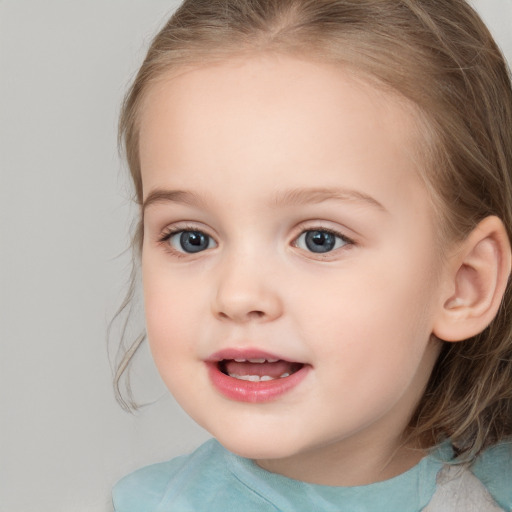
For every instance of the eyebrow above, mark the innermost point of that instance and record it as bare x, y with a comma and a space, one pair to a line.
174, 196
302, 196
298, 196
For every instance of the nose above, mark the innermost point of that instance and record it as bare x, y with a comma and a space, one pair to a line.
246, 292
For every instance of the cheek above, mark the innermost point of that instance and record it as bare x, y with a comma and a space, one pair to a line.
169, 338
170, 312
375, 342
375, 313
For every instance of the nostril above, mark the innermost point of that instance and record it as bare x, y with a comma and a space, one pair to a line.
250, 315
256, 314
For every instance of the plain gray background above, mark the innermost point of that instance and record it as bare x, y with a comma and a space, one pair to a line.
65, 218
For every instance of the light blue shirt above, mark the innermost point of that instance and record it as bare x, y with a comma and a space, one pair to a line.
212, 479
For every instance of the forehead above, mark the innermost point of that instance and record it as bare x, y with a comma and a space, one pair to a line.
240, 119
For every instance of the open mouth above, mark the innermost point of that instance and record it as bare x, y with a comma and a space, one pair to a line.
258, 370
254, 376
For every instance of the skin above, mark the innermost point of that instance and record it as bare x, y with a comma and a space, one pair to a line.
237, 137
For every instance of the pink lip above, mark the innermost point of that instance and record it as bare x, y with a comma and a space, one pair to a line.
247, 391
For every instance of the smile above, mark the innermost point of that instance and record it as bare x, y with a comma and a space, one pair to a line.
258, 370
255, 377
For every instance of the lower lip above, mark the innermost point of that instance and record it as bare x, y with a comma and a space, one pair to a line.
254, 392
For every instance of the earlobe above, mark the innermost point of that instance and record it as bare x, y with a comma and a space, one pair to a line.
478, 274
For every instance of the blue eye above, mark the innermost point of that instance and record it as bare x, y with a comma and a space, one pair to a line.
191, 241
320, 241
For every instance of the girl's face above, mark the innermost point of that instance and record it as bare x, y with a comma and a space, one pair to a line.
285, 222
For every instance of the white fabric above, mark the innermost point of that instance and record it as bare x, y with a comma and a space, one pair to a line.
460, 491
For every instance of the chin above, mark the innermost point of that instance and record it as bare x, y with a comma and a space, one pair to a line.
258, 446
249, 430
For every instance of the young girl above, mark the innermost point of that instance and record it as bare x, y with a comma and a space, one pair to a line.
325, 199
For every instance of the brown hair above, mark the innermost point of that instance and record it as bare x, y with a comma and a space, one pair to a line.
440, 56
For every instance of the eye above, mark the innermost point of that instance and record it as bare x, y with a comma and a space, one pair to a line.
190, 241
320, 241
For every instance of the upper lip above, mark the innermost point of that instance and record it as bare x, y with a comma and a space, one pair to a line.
245, 353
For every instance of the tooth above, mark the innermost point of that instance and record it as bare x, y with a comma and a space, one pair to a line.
284, 375
251, 378
265, 378
240, 360
256, 360
272, 360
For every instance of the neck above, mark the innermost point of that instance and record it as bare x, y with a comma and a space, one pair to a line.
339, 465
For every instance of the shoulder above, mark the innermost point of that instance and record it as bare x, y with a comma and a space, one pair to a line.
483, 486
144, 489
494, 469
206, 479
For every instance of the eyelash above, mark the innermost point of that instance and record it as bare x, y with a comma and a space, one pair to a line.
321, 229
171, 231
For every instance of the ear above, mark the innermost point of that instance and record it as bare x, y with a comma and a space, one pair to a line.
476, 278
